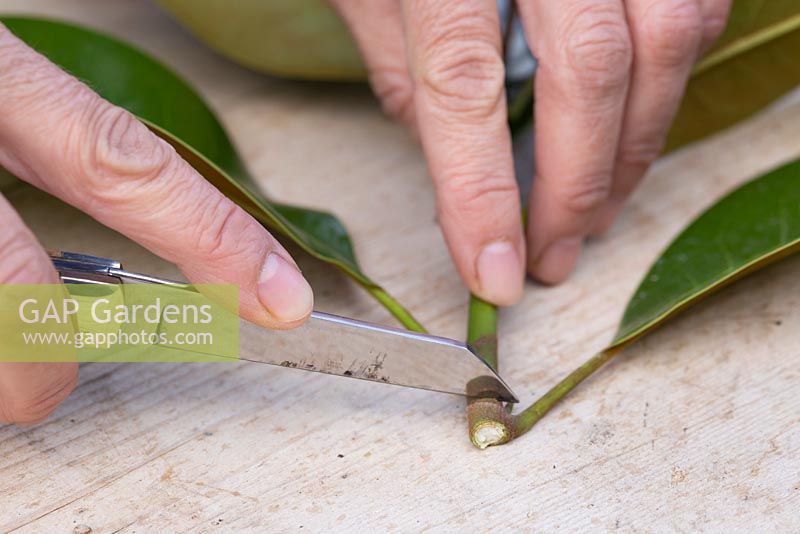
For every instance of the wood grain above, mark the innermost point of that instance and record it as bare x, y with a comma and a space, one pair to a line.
695, 428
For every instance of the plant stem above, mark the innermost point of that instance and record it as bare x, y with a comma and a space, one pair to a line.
490, 422
527, 418
487, 419
482, 330
747, 43
520, 109
396, 309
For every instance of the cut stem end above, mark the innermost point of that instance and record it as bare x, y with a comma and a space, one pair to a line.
489, 423
488, 433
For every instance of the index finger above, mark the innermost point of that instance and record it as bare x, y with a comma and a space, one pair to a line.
60, 136
454, 50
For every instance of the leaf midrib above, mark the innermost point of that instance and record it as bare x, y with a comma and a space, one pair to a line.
747, 43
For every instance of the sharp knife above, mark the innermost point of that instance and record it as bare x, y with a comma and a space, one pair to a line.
331, 344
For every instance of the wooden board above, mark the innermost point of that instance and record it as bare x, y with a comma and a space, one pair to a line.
695, 428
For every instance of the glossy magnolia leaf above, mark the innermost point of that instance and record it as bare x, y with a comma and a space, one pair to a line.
757, 224
753, 63
303, 39
173, 110
753, 226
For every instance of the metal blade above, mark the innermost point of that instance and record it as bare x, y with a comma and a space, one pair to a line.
331, 344
348, 347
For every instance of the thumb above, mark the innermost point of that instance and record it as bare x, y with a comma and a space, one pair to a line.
29, 392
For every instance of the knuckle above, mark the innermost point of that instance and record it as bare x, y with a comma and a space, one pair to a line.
222, 230
671, 32
118, 154
470, 85
585, 194
33, 84
463, 73
598, 52
639, 154
473, 195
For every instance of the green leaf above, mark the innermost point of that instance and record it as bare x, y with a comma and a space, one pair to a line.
753, 63
174, 111
301, 39
753, 226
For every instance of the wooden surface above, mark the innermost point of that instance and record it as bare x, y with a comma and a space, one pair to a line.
695, 428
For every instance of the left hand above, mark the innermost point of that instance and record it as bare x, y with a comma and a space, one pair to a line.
611, 76
60, 136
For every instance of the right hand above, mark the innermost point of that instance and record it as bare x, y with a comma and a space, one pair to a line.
58, 135
610, 77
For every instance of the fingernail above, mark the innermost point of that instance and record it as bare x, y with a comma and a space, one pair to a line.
283, 291
558, 260
499, 273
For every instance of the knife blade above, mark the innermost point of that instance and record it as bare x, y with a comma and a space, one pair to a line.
356, 349
332, 344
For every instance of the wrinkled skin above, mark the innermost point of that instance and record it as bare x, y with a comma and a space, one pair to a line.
58, 135
611, 75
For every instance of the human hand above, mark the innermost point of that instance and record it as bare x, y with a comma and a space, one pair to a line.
610, 78
58, 135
